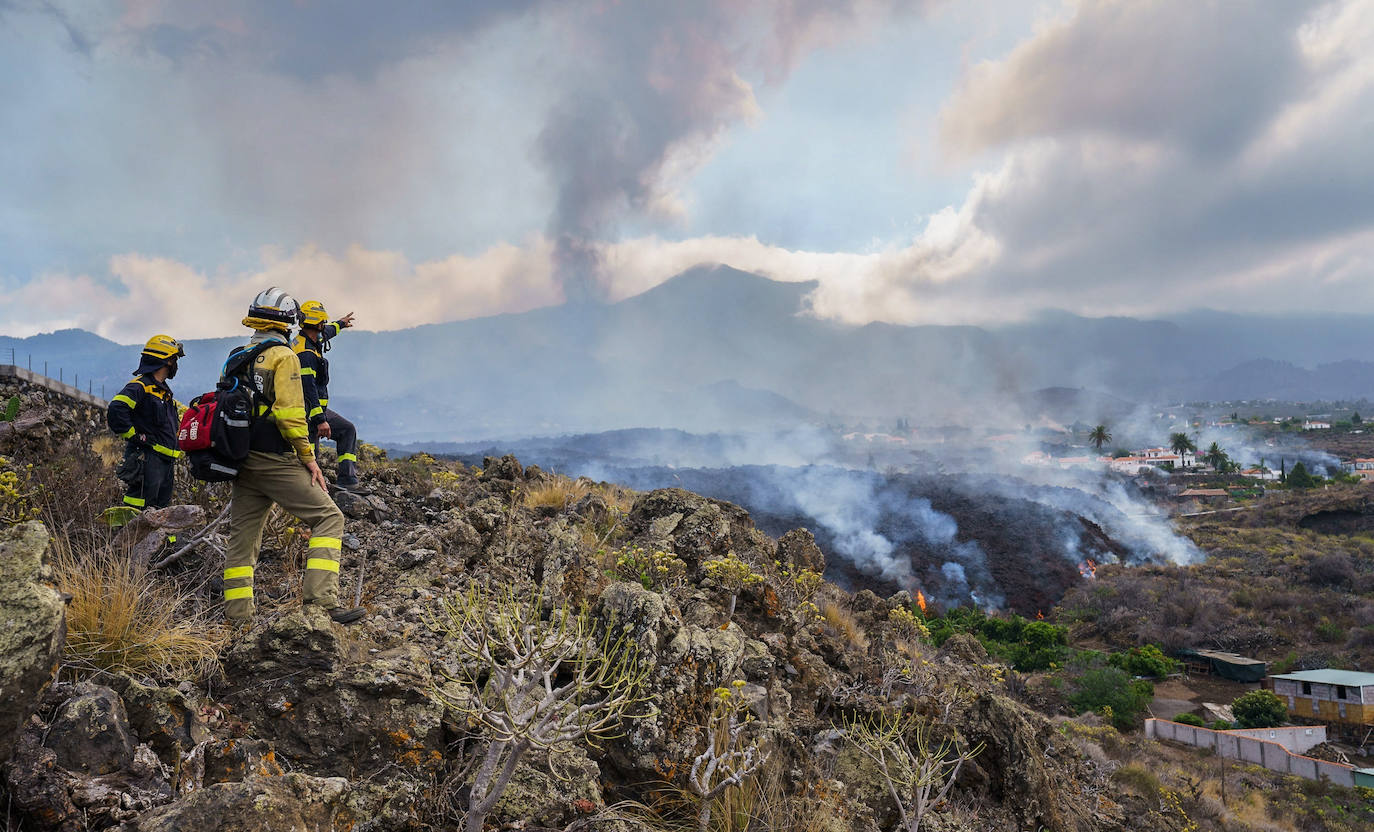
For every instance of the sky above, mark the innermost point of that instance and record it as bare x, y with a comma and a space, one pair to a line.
924, 161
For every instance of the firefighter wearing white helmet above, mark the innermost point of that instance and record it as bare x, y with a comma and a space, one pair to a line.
325, 423
144, 415
281, 469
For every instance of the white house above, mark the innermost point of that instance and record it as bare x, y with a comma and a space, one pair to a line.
1362, 468
1309, 424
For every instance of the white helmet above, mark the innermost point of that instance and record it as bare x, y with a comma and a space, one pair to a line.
273, 308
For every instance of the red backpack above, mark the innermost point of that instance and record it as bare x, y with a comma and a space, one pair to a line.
196, 423
216, 428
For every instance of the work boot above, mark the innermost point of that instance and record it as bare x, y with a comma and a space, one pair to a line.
347, 616
348, 474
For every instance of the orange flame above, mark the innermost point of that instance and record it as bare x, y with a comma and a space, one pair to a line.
921, 601
1040, 615
1088, 569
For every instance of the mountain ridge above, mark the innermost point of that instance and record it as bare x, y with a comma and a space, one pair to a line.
715, 348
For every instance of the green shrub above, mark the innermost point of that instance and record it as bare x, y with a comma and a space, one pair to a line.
1138, 779
1111, 691
1221, 725
1144, 661
1330, 631
1259, 709
11, 410
1024, 644
1189, 719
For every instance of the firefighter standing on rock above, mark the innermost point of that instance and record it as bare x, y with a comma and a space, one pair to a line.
310, 346
144, 415
281, 468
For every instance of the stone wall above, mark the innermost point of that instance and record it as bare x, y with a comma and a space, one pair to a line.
19, 380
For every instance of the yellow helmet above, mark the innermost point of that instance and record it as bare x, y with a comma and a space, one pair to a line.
271, 309
163, 347
312, 314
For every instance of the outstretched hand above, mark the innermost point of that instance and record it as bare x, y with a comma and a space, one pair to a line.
346, 321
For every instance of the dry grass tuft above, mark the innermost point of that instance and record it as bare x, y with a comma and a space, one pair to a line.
842, 620
618, 498
557, 492
109, 448
123, 619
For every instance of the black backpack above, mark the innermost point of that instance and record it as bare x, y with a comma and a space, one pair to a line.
216, 430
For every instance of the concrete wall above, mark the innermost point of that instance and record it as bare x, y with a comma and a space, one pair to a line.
1245, 746
1296, 738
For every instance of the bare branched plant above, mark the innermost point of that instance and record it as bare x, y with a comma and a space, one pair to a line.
918, 770
538, 682
732, 754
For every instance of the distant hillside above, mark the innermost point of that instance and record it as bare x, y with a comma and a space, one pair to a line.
1285, 381
716, 349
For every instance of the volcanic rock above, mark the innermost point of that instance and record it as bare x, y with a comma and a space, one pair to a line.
798, 548
32, 626
328, 704
90, 733
291, 803
161, 717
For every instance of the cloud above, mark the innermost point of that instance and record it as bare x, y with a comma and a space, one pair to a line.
1138, 158
1148, 158
1200, 74
145, 294
310, 40
204, 130
659, 86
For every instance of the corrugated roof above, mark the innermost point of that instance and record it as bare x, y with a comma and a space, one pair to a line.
1328, 676
1217, 654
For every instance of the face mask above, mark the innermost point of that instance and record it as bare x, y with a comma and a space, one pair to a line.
172, 370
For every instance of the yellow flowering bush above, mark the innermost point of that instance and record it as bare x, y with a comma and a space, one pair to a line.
795, 588
14, 493
907, 625
653, 569
732, 574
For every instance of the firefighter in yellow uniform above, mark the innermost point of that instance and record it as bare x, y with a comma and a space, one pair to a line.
281, 469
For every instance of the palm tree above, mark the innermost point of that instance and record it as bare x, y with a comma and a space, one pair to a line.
1215, 457
1181, 443
1099, 437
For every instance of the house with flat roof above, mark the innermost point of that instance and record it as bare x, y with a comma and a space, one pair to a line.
1341, 696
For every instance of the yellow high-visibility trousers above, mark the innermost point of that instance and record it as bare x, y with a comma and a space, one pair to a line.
265, 479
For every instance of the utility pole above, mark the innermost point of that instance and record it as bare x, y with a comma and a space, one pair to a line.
1221, 766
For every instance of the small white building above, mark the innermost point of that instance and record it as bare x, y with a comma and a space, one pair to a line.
1311, 424
1362, 468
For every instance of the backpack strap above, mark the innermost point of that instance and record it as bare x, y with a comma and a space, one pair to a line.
240, 360
238, 368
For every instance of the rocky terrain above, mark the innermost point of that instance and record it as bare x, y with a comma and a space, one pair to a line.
300, 724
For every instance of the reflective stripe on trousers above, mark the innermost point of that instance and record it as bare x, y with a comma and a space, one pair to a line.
265, 479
